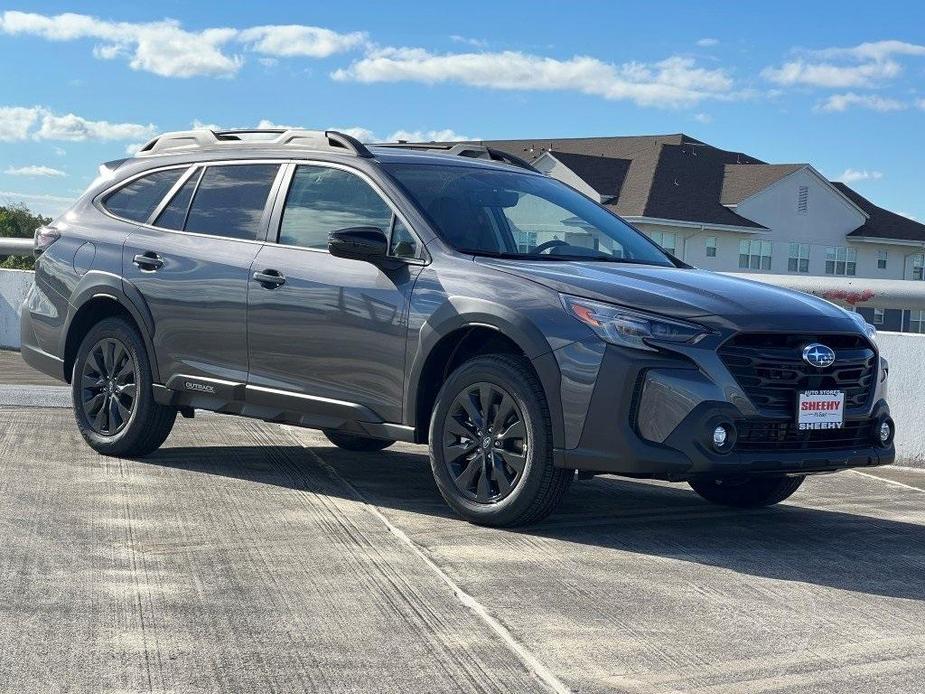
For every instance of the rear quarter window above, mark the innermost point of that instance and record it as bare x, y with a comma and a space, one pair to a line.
138, 199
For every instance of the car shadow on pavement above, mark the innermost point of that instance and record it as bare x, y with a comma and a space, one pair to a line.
834, 548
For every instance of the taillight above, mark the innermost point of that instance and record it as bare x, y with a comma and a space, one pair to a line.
44, 237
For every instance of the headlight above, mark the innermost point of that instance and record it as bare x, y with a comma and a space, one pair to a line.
865, 327
627, 328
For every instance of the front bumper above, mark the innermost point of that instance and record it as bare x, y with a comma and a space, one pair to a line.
665, 433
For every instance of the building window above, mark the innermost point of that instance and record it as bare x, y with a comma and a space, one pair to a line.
755, 255
711, 246
666, 239
803, 200
881, 260
526, 240
841, 261
878, 316
918, 262
799, 258
917, 321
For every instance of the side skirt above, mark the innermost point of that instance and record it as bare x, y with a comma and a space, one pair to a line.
278, 406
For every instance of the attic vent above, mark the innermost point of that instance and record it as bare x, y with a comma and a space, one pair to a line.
802, 199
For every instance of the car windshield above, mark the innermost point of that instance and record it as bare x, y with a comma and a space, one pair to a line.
519, 215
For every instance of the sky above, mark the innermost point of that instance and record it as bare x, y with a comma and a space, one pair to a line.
839, 85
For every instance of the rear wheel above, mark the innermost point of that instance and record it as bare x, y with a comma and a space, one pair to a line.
747, 492
354, 442
111, 388
491, 444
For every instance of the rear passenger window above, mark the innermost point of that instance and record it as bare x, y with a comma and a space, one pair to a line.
137, 200
322, 200
230, 200
174, 215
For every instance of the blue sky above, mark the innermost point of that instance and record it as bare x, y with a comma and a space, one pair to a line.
838, 85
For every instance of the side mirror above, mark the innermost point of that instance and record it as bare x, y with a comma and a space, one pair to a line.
359, 243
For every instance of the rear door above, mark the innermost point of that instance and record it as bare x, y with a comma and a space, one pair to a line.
330, 329
191, 263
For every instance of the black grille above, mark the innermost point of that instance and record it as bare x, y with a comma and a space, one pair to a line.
786, 436
771, 371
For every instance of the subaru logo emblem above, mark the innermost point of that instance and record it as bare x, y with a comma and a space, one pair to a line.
818, 355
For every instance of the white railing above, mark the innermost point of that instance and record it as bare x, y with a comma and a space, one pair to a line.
21, 247
850, 291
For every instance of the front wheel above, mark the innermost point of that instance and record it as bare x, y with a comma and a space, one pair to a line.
491, 444
111, 387
747, 492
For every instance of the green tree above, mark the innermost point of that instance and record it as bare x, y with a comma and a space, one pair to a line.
17, 221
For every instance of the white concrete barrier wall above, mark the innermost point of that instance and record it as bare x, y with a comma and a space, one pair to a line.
13, 287
905, 352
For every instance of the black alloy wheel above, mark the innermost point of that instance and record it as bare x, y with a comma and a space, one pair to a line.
485, 443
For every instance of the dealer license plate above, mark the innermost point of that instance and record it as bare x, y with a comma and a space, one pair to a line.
821, 409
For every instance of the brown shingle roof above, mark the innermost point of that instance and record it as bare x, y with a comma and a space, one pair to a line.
668, 176
741, 181
882, 223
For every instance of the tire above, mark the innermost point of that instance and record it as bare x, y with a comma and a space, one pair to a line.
750, 492
354, 442
495, 470
128, 423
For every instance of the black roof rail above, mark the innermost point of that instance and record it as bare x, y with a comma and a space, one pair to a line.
473, 151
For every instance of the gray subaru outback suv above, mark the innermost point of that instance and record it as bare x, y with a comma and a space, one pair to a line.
442, 295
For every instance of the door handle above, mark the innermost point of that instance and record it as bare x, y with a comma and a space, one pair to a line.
149, 260
270, 279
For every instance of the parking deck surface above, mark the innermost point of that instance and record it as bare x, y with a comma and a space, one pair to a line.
246, 556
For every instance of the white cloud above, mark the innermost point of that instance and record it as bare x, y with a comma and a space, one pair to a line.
874, 50
165, 48
865, 65
920, 103
132, 149
34, 170
872, 102
19, 123
296, 39
446, 135
477, 43
704, 118
51, 205
75, 128
672, 82
16, 121
270, 125
708, 42
907, 216
361, 134
855, 175
800, 72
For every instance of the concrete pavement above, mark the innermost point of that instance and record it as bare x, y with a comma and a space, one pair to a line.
245, 556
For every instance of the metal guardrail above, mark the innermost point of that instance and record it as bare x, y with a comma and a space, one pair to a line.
850, 291
16, 247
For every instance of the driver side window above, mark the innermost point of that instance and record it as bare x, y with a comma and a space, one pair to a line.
322, 200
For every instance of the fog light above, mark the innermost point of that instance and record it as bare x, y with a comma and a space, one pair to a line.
719, 436
885, 432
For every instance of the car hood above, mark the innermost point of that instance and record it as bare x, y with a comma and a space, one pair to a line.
685, 293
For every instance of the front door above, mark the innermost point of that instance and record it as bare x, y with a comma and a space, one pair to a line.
325, 327
191, 265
